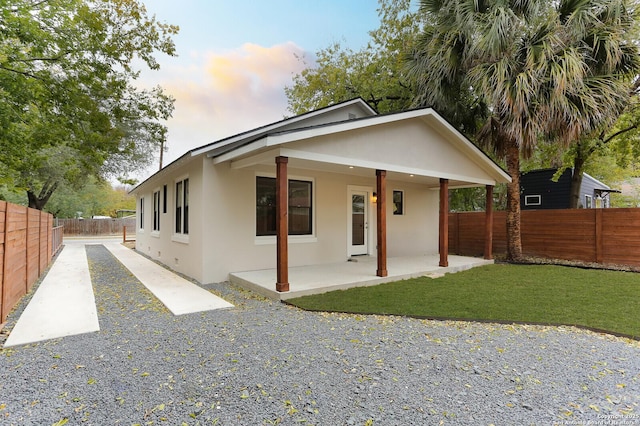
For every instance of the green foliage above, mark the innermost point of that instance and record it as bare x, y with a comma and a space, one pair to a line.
375, 73
93, 198
606, 300
561, 69
474, 199
69, 104
531, 71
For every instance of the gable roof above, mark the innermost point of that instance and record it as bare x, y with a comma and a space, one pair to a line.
229, 143
276, 139
315, 123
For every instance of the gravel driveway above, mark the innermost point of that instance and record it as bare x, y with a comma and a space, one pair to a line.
263, 362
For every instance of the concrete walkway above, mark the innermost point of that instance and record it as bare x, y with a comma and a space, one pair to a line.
64, 304
178, 295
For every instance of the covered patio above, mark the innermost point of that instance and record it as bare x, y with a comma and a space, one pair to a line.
358, 272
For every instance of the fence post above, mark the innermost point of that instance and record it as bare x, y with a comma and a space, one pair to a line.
598, 240
3, 308
488, 223
454, 226
26, 252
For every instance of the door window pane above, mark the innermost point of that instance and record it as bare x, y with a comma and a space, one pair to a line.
357, 219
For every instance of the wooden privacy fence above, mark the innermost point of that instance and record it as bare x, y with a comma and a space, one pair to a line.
28, 241
607, 236
95, 226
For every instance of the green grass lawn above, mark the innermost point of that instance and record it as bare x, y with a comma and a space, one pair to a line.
604, 300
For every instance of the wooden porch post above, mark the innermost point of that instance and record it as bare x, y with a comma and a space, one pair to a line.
381, 221
443, 245
488, 224
282, 224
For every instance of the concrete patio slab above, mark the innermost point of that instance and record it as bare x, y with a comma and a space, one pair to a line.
178, 295
63, 304
361, 271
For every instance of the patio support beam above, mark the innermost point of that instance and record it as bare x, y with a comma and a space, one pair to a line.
282, 224
443, 244
381, 221
488, 224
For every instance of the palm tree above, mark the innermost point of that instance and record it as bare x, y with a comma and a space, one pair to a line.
530, 69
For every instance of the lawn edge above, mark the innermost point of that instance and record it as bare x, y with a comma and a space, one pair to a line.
482, 321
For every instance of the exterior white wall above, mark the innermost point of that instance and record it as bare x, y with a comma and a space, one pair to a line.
415, 232
230, 243
181, 253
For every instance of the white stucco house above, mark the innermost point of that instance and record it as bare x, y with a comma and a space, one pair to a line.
340, 181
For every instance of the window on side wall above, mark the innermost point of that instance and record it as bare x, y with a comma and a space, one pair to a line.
533, 200
588, 202
300, 207
164, 198
141, 213
156, 211
398, 202
182, 207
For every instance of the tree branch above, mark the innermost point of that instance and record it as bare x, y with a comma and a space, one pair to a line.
27, 74
619, 132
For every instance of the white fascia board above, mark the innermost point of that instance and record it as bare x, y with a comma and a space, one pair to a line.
346, 161
169, 167
484, 159
243, 150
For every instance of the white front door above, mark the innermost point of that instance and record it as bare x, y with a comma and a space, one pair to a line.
358, 222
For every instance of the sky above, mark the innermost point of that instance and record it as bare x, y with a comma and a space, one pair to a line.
236, 57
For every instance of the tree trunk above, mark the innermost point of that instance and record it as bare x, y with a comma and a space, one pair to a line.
576, 182
514, 240
39, 201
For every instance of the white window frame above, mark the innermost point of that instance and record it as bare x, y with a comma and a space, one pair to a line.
528, 200
588, 201
180, 237
157, 203
293, 239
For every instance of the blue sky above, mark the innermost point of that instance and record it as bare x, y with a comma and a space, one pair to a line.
236, 57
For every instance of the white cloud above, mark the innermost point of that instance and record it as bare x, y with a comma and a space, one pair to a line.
219, 94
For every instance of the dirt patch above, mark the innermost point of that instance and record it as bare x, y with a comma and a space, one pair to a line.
532, 260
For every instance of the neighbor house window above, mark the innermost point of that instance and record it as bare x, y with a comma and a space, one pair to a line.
398, 202
300, 207
588, 202
156, 211
182, 206
141, 212
532, 200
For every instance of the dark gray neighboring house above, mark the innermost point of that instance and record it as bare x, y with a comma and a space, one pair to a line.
539, 191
